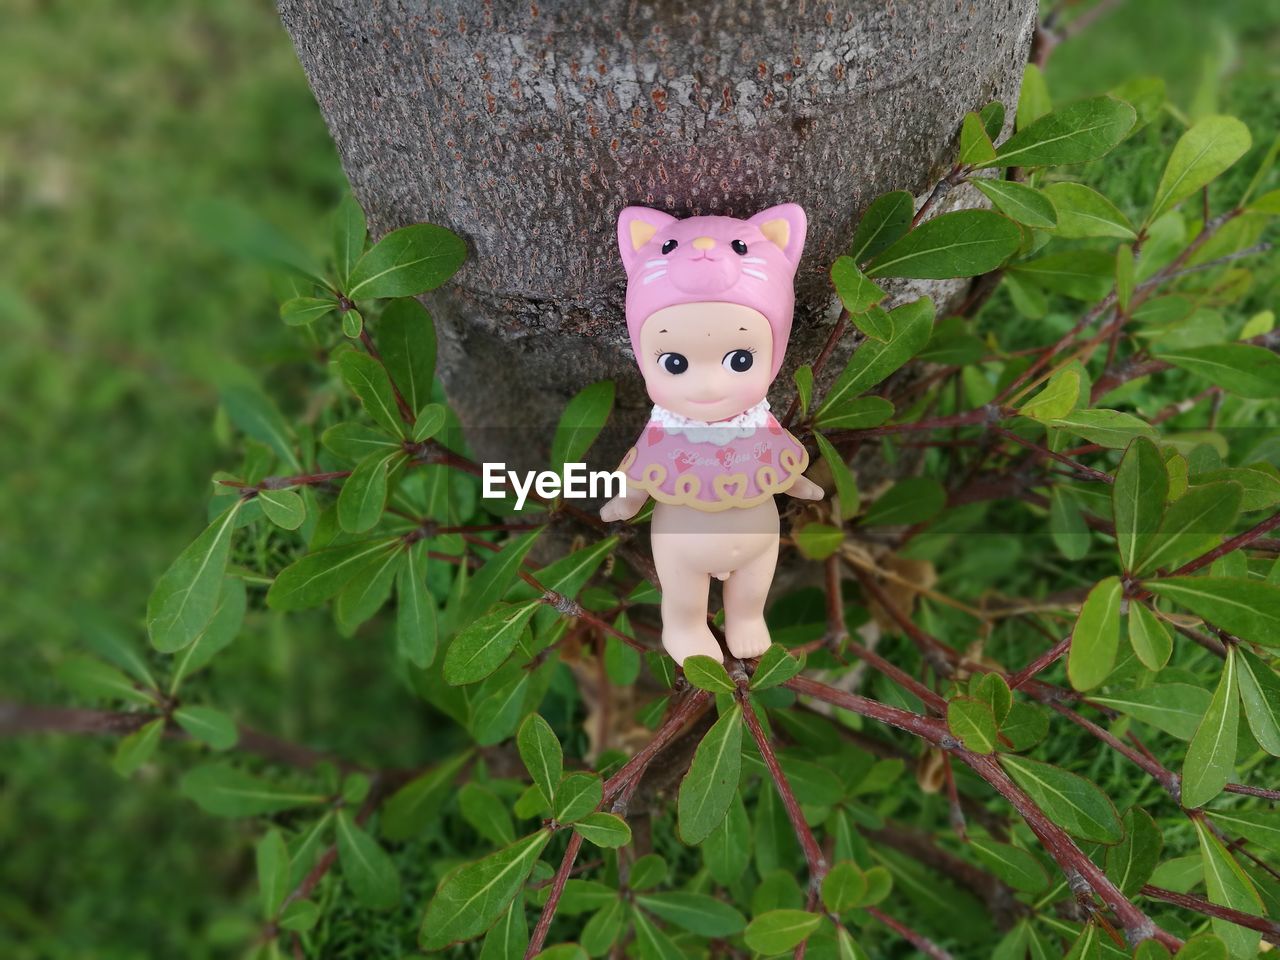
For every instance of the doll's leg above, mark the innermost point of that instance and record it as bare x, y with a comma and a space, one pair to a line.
684, 604
745, 594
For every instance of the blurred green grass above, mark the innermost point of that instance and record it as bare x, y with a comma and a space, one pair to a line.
115, 121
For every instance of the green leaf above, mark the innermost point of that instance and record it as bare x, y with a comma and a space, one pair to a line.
415, 612
1014, 866
1033, 98
965, 243
1240, 368
430, 420
509, 937
858, 413
653, 943
487, 812
817, 541
1080, 131
349, 235
1087, 946
493, 580
186, 596
1137, 500
1212, 145
1058, 398
1203, 946
973, 723
649, 871
776, 666
352, 323
415, 805
727, 851
910, 500
1107, 428
299, 311
407, 262
1260, 695
225, 791
780, 930
583, 419
1019, 202
471, 898
975, 143
364, 493
712, 780
578, 795
1084, 212
368, 590
236, 230
208, 725
299, 916
220, 631
253, 412
1211, 756
1151, 641
886, 220
992, 117
873, 360
1067, 527
1248, 608
483, 645
856, 292
1131, 862
284, 508
605, 926
314, 578
542, 754
407, 345
138, 747
1081, 273
1228, 886
992, 690
368, 381
604, 829
803, 378
707, 673
1260, 483
272, 859
844, 887
1194, 523
695, 912
92, 679
1096, 636
1257, 826
1074, 803
1175, 708
355, 441
842, 476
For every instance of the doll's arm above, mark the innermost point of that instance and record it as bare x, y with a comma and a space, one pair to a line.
624, 507
805, 489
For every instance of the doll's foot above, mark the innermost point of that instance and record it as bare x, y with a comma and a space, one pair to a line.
689, 642
747, 638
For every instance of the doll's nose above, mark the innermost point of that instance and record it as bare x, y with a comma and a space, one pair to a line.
703, 243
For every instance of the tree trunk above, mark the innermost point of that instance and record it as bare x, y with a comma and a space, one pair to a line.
526, 125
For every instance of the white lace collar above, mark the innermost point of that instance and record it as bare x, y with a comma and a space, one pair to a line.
716, 431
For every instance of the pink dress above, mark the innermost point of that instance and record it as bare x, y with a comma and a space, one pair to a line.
713, 468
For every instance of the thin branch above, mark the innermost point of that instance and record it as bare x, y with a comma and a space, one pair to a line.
1269, 928
913, 937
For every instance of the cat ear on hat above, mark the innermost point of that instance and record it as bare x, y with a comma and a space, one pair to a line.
785, 226
636, 227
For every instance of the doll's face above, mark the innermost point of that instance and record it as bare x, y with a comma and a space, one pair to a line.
706, 361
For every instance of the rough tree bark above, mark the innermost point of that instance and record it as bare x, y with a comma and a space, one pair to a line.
525, 125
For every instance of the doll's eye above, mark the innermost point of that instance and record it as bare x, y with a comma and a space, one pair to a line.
673, 362
669, 246
739, 248
739, 361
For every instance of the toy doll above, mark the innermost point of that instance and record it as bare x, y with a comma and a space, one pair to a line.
709, 304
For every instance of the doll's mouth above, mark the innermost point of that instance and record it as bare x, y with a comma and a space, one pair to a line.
704, 257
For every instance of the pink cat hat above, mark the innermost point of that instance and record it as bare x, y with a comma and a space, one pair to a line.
752, 263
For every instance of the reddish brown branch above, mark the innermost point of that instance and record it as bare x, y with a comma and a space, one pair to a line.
913, 937
1268, 928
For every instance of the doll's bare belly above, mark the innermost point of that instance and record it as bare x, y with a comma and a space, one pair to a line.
714, 543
